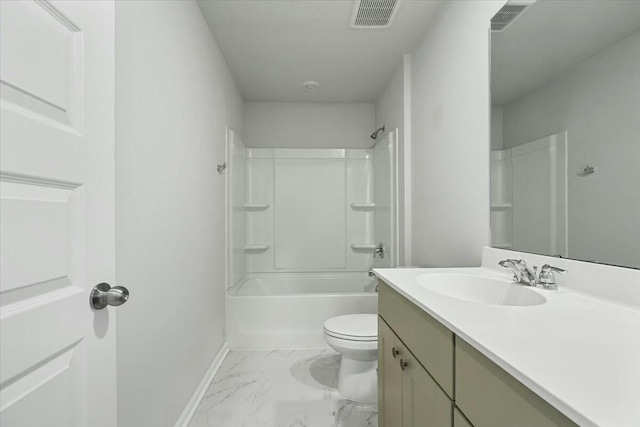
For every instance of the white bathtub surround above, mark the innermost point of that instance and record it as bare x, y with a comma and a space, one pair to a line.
288, 310
235, 204
280, 388
529, 194
578, 351
298, 210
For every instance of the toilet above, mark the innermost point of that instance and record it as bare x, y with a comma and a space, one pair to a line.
355, 337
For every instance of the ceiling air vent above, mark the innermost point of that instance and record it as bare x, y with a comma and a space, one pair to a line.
373, 14
509, 13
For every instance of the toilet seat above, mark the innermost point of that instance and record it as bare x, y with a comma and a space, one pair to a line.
353, 327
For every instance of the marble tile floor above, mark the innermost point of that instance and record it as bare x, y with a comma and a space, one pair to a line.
280, 388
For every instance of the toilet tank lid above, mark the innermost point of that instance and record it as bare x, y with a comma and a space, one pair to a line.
355, 325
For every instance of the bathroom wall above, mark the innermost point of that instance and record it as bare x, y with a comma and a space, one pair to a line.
308, 125
392, 111
174, 97
450, 137
594, 104
300, 215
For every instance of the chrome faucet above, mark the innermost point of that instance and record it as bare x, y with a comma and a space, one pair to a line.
372, 274
379, 250
523, 274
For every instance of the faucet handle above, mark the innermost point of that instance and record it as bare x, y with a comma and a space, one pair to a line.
379, 250
552, 268
547, 277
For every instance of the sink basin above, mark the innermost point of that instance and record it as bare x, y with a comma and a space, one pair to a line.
480, 289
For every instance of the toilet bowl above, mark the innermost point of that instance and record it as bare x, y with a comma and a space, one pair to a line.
355, 337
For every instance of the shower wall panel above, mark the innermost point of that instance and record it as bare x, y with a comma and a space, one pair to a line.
310, 214
299, 214
359, 221
236, 216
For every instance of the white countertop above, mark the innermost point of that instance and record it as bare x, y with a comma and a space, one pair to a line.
580, 354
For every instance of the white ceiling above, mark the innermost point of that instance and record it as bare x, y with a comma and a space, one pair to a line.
553, 35
273, 46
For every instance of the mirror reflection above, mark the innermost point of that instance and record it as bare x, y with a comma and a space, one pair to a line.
565, 143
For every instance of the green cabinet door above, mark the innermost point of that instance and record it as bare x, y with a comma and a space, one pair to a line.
389, 377
424, 403
460, 420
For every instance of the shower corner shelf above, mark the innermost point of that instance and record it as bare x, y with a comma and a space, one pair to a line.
256, 206
500, 206
254, 248
363, 246
363, 206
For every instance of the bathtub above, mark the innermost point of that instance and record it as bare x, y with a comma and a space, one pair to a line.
278, 311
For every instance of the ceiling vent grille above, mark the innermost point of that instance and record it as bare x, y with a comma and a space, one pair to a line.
508, 14
373, 14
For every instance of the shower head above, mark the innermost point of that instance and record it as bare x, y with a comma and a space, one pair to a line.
374, 135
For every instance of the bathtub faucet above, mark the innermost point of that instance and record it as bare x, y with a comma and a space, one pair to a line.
379, 250
372, 274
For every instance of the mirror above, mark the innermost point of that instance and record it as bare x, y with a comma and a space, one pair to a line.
565, 129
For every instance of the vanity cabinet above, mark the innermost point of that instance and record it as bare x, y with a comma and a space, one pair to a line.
410, 396
488, 396
417, 359
430, 341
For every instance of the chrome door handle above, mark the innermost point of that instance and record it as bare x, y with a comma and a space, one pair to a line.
103, 295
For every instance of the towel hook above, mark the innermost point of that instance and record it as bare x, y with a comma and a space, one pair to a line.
221, 168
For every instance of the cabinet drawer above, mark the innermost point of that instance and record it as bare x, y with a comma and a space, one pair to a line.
429, 341
490, 397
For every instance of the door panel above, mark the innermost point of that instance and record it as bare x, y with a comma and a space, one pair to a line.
42, 56
56, 212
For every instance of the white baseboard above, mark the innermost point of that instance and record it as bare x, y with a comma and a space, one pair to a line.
198, 395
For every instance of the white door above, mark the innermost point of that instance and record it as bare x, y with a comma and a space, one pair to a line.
57, 213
